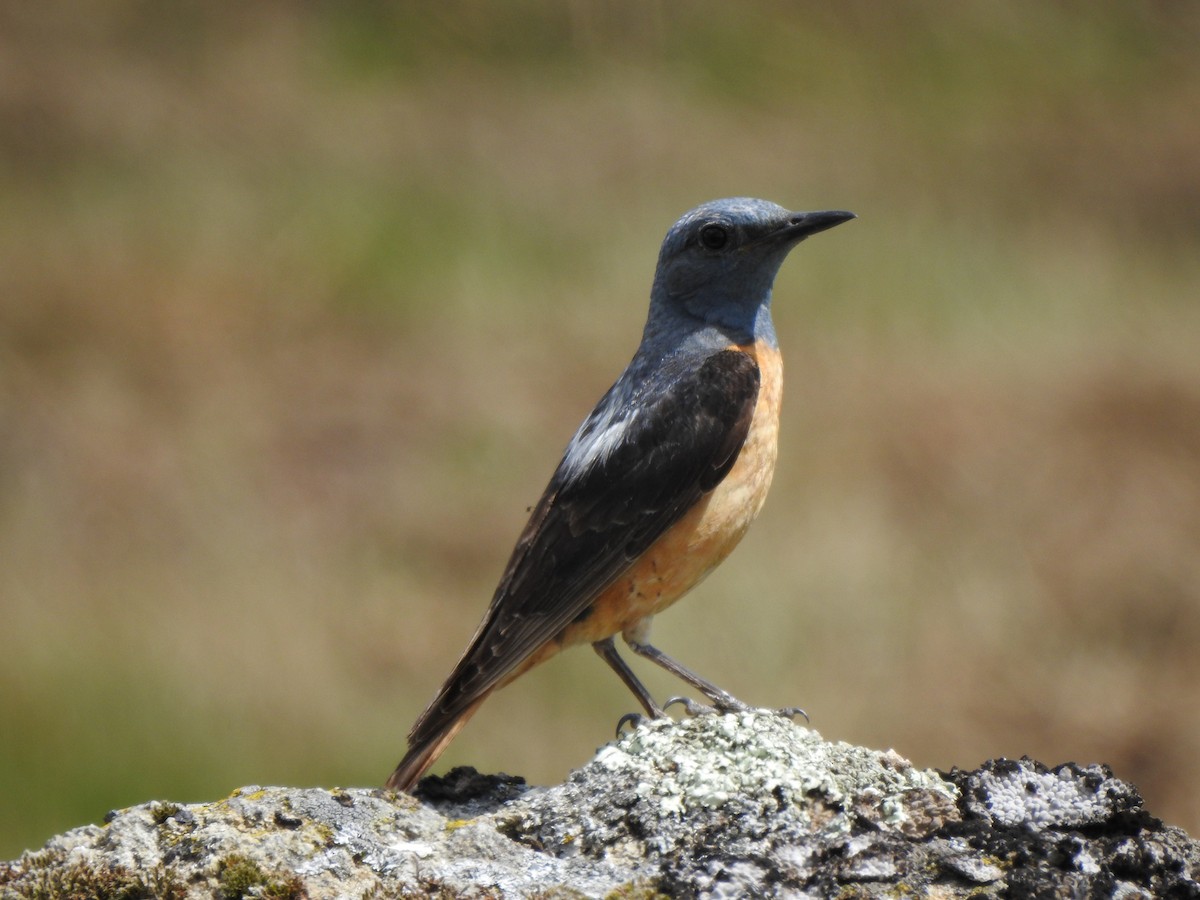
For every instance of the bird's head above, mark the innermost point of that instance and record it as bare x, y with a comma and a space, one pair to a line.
719, 261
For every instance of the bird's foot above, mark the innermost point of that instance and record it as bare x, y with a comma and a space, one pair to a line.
637, 720
691, 707
633, 720
721, 703
728, 703
790, 712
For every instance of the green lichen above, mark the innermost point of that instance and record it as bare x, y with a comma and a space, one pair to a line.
287, 888
160, 812
248, 793
241, 877
182, 844
637, 890
237, 875
325, 833
44, 876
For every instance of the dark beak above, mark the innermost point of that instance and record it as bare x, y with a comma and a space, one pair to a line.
802, 224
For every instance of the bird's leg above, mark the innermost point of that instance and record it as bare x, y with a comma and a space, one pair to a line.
723, 701
608, 652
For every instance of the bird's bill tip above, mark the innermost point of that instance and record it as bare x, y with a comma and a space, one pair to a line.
803, 224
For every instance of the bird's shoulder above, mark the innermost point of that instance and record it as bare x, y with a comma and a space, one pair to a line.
684, 405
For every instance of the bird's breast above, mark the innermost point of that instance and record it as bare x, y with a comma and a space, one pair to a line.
707, 533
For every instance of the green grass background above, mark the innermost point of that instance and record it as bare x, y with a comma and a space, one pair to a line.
300, 302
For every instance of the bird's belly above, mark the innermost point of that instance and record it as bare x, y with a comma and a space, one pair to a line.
706, 534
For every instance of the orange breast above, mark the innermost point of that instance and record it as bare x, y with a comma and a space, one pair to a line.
696, 544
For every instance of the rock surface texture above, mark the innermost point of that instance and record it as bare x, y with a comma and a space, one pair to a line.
735, 805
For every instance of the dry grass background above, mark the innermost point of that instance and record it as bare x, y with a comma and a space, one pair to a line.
299, 303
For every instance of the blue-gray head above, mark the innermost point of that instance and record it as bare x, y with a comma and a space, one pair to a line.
719, 261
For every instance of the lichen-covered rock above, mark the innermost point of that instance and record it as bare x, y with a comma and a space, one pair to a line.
1027, 794
737, 805
733, 802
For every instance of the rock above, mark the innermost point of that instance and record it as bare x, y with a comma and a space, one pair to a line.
735, 805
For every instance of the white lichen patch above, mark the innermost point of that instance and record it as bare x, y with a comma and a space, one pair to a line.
707, 761
1068, 796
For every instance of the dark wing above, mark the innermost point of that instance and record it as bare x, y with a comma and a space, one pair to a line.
600, 512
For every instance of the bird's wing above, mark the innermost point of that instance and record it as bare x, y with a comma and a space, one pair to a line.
624, 480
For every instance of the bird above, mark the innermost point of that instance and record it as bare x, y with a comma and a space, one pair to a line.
658, 484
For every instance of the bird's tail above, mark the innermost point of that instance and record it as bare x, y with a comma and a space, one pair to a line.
424, 750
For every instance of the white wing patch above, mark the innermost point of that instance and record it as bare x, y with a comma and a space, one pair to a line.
596, 439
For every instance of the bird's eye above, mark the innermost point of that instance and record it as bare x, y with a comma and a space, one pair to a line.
714, 237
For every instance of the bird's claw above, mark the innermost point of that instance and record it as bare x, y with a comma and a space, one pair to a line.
731, 704
633, 720
690, 706
790, 712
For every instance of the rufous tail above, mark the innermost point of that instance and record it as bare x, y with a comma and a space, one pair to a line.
423, 753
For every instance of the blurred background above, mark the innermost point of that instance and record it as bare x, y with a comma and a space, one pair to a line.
299, 304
